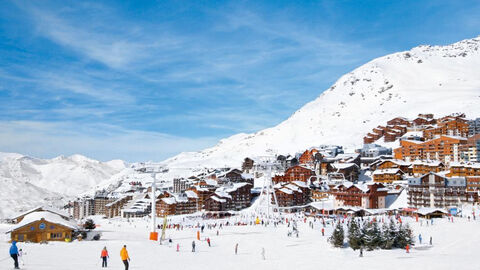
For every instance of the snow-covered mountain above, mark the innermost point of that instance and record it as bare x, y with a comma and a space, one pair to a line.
26, 181
426, 79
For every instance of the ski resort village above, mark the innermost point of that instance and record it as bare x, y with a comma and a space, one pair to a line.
411, 190
213, 135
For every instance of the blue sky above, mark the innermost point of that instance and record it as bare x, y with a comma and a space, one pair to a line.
144, 80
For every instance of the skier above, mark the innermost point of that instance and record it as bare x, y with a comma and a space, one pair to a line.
124, 256
263, 253
361, 252
236, 248
407, 248
431, 241
323, 231
178, 247
14, 254
170, 242
193, 246
104, 256
208, 241
420, 238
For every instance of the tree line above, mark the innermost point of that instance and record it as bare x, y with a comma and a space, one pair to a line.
369, 235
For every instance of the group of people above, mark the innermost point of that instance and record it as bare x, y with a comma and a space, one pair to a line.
123, 255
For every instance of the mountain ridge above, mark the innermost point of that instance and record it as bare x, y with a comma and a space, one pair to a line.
420, 78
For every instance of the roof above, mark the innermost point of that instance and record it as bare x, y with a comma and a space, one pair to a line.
428, 210
47, 216
286, 190
169, 200
300, 184
434, 163
387, 171
340, 166
396, 161
215, 198
466, 165
43, 208
191, 194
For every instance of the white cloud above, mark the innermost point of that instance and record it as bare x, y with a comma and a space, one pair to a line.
103, 142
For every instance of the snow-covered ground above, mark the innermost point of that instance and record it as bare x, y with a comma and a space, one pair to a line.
455, 245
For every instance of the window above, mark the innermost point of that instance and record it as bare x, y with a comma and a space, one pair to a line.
55, 235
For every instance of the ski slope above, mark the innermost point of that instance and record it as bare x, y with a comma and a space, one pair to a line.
454, 247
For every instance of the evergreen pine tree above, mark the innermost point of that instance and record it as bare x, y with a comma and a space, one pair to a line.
89, 224
408, 234
354, 235
387, 237
337, 237
401, 240
371, 236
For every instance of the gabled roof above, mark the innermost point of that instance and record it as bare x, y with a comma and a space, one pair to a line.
340, 166
388, 171
191, 194
286, 190
44, 208
215, 198
429, 210
47, 216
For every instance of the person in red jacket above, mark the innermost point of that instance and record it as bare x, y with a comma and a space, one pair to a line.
104, 256
408, 248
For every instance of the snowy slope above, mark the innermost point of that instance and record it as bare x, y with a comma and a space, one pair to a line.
426, 79
28, 182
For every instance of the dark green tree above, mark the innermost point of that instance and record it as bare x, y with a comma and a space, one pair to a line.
89, 224
337, 237
371, 236
354, 235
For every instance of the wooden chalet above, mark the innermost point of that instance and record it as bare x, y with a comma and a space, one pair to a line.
371, 195
387, 176
42, 226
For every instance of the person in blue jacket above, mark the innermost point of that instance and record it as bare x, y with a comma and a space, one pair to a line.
14, 253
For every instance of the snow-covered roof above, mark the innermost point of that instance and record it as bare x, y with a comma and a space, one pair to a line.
286, 190
340, 166
429, 210
293, 187
191, 194
211, 182
215, 198
300, 184
43, 208
474, 165
387, 171
222, 194
47, 216
169, 200
400, 202
433, 163
324, 205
